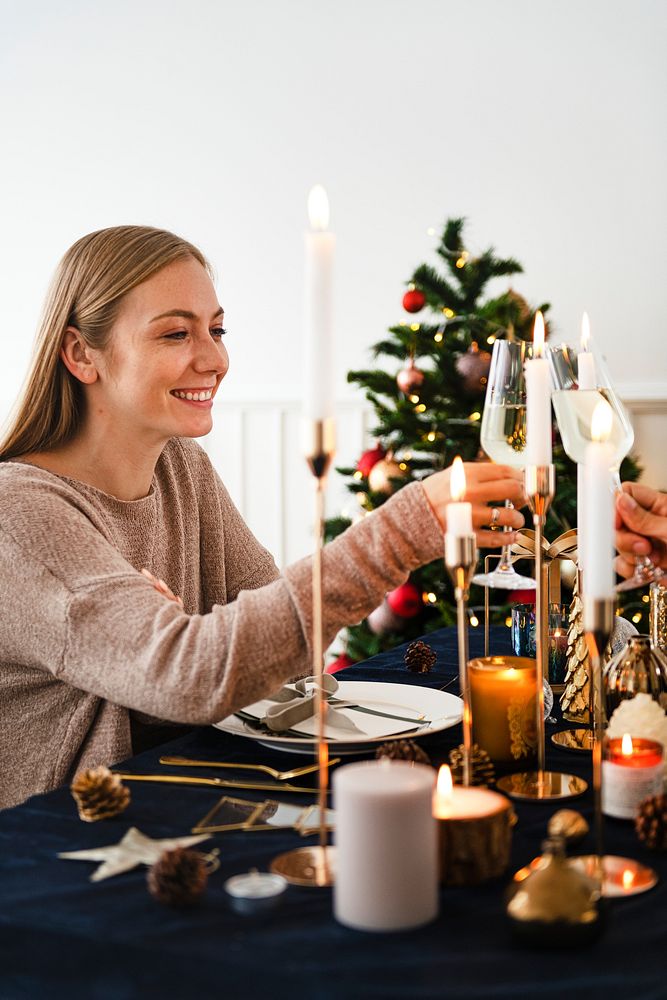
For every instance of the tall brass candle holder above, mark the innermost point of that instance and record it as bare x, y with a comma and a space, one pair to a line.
313, 866
461, 560
540, 483
617, 876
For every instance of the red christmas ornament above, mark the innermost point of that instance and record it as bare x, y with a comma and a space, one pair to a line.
414, 300
409, 379
405, 601
370, 458
339, 664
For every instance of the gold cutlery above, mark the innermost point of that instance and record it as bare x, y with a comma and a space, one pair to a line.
295, 772
177, 779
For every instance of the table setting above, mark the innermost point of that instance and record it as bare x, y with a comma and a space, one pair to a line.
409, 827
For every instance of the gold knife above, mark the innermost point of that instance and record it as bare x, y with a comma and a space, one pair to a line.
177, 779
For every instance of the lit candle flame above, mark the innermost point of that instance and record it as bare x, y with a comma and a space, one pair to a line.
318, 208
585, 331
626, 745
628, 878
457, 483
538, 335
601, 421
445, 785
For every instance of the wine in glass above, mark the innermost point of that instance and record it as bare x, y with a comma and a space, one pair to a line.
503, 438
574, 408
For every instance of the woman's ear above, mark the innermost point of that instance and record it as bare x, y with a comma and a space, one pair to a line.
76, 356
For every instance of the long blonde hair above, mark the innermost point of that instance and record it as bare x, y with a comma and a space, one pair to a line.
86, 292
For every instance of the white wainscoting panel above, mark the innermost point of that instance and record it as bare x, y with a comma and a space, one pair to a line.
256, 448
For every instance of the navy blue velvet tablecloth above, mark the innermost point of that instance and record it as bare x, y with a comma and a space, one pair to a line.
64, 936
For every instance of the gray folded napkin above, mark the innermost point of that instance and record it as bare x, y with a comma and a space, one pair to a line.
296, 702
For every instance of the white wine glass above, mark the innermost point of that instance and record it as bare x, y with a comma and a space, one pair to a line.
574, 398
503, 438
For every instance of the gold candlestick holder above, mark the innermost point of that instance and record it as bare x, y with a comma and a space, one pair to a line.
461, 560
313, 866
540, 785
617, 876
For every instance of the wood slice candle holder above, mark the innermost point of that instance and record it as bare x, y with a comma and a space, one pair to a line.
474, 848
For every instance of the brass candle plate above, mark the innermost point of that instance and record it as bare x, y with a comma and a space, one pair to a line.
622, 877
309, 866
578, 740
554, 785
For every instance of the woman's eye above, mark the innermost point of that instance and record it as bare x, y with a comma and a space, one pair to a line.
176, 335
218, 331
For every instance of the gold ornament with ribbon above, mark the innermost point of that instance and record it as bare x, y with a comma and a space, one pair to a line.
563, 548
575, 699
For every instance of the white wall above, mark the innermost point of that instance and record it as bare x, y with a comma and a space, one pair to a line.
543, 122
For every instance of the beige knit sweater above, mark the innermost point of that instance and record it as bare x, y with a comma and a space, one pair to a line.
84, 638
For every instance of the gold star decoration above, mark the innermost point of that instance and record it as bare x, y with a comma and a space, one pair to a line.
134, 849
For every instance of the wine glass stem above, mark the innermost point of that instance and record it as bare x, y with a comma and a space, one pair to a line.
505, 563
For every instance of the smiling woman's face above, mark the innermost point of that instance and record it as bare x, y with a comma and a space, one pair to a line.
165, 357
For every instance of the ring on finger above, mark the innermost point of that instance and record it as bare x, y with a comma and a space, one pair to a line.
495, 517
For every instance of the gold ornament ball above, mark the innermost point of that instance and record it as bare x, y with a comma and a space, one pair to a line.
381, 475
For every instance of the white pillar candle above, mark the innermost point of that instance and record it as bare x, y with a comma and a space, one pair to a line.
386, 846
318, 328
458, 513
586, 378
599, 508
538, 400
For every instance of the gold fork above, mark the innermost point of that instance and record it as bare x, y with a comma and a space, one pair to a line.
294, 772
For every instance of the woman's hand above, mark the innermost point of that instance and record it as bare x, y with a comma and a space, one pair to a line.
487, 488
161, 587
641, 527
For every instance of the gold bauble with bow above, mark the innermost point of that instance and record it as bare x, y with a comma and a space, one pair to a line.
576, 694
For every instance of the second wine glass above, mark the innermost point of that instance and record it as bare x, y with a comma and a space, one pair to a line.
503, 438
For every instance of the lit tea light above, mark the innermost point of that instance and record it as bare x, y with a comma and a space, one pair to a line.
628, 879
631, 772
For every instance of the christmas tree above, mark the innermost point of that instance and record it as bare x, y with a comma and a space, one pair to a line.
430, 411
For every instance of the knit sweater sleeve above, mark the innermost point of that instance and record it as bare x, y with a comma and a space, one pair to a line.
86, 615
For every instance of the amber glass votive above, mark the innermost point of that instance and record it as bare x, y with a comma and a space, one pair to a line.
503, 690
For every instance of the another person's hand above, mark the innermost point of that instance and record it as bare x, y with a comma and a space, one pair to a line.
641, 527
161, 587
486, 484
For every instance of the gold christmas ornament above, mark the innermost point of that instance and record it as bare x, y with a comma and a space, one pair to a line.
381, 475
552, 903
99, 794
568, 824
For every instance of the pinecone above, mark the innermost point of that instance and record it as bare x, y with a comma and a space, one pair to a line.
651, 822
99, 794
178, 877
403, 750
483, 771
419, 657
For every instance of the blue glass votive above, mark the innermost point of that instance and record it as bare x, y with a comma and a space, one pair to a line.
523, 637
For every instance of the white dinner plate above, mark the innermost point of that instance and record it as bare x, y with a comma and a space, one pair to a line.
432, 711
